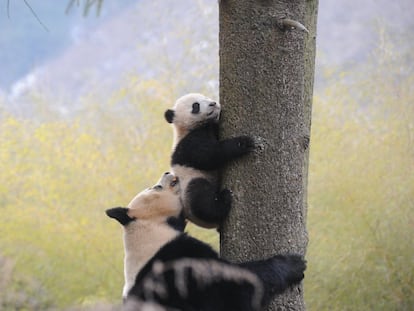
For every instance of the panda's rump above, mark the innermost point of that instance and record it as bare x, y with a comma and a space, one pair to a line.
198, 191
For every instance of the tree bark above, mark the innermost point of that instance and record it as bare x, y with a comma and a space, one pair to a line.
266, 85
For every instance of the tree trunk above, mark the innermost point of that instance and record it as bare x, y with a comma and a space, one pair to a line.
266, 84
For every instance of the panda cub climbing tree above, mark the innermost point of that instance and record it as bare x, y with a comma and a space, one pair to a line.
165, 269
197, 156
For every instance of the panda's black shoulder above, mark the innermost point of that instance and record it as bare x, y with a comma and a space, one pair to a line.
196, 148
183, 246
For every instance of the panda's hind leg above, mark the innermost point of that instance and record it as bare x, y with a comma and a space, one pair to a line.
206, 203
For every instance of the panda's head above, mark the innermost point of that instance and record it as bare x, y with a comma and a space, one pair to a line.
192, 110
159, 204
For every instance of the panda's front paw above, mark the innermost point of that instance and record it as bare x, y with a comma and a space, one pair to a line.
245, 144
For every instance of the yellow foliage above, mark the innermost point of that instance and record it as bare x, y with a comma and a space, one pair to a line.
361, 189
57, 180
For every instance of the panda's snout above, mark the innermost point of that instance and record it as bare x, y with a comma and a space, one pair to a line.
212, 104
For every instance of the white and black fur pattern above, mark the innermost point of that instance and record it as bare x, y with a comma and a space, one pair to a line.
165, 269
151, 219
189, 277
197, 156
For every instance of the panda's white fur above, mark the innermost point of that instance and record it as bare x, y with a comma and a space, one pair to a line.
197, 156
148, 230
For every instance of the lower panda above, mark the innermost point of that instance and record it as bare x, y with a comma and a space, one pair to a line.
197, 156
166, 269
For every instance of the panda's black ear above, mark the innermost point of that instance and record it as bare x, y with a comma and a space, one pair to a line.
120, 214
169, 115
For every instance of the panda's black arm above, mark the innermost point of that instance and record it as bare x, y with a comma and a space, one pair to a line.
233, 148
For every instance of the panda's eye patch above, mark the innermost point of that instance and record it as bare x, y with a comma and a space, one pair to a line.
158, 187
196, 108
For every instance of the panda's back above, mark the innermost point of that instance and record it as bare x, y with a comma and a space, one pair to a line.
186, 173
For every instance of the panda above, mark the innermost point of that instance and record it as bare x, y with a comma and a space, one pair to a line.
197, 156
166, 269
